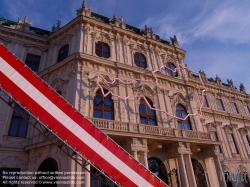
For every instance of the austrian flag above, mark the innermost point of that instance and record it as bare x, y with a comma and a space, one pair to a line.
51, 109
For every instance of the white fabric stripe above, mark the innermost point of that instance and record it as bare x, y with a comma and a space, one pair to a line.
64, 119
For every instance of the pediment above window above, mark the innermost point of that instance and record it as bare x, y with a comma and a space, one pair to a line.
34, 49
103, 37
141, 49
219, 95
145, 90
102, 83
178, 98
58, 84
4, 40
243, 130
64, 40
229, 128
171, 59
212, 126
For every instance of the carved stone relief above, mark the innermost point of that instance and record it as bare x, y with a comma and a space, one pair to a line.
103, 37
4, 40
64, 40
58, 84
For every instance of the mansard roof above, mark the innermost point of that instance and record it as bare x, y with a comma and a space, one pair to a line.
98, 17
33, 30
129, 27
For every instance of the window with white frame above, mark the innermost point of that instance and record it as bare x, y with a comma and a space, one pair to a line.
234, 108
215, 137
219, 104
231, 142
246, 142
203, 99
247, 110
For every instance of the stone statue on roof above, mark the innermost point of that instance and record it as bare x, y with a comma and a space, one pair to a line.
218, 80
121, 20
174, 41
58, 24
26, 20
230, 83
19, 20
203, 76
23, 25
84, 5
83, 11
57, 27
115, 18
242, 88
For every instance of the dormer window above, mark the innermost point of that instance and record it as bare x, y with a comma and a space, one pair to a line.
171, 70
63, 53
102, 50
140, 60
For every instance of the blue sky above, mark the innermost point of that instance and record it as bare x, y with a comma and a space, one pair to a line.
214, 33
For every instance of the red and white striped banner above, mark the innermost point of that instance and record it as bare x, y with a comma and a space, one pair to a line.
44, 103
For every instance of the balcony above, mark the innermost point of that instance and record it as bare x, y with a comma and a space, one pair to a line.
157, 132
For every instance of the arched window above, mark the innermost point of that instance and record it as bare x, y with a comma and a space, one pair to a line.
172, 67
182, 113
102, 50
199, 173
147, 115
140, 60
63, 53
103, 106
48, 169
157, 167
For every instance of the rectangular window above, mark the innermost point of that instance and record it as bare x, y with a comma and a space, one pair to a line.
9, 176
219, 104
247, 110
215, 137
247, 144
19, 122
234, 108
204, 99
231, 141
33, 61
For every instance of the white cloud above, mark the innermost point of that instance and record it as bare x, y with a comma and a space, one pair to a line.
223, 22
226, 22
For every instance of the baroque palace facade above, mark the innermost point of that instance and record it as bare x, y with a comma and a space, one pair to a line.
197, 152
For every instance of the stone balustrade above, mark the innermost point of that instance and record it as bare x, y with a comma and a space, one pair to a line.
112, 125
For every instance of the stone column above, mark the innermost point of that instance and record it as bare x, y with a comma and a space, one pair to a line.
87, 176
144, 157
219, 171
134, 154
93, 42
131, 46
182, 169
190, 171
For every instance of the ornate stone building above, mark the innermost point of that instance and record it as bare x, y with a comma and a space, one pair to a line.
195, 152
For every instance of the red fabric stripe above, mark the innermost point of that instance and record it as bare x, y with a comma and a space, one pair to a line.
77, 117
